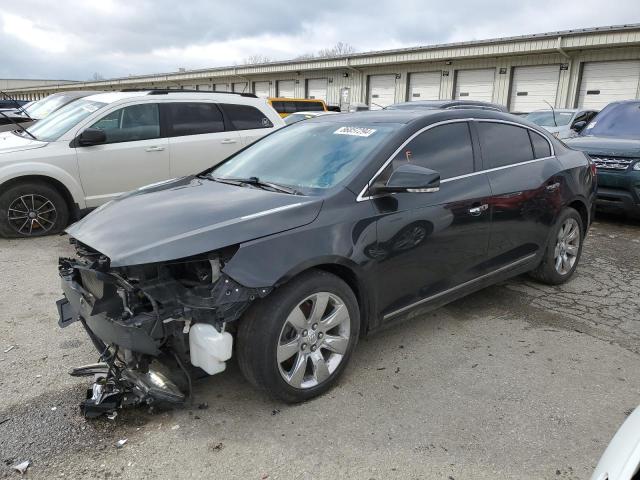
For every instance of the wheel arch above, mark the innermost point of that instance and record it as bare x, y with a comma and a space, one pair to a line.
350, 273
580, 205
61, 188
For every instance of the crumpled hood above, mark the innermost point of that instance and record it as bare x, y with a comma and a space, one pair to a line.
14, 143
618, 147
188, 216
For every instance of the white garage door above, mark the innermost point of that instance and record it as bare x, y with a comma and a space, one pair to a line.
382, 91
475, 84
317, 88
221, 87
286, 88
531, 87
204, 87
240, 87
605, 82
261, 89
424, 86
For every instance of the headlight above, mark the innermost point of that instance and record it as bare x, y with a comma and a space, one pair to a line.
636, 166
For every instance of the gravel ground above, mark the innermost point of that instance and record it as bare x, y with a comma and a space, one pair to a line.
519, 380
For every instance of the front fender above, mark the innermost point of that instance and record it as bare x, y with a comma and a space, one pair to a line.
24, 169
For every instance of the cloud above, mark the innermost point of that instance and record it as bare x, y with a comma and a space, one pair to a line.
74, 38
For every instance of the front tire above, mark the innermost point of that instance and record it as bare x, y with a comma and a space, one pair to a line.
32, 209
563, 250
295, 343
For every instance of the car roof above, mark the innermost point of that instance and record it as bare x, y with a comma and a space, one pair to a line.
111, 97
562, 110
434, 104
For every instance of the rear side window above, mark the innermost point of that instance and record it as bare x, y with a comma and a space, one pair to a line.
541, 148
128, 124
309, 106
245, 117
503, 144
193, 119
446, 149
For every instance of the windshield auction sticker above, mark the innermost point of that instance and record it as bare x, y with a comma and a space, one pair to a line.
355, 131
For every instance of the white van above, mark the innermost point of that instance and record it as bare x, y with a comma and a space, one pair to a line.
103, 145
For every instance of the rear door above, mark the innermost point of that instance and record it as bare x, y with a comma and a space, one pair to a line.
249, 122
135, 154
525, 188
197, 136
430, 242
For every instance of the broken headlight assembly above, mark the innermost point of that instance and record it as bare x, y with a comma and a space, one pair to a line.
151, 324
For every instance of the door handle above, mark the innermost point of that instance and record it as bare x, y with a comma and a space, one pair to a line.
154, 149
475, 211
552, 187
228, 141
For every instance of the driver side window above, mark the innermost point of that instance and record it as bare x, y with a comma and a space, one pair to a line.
128, 124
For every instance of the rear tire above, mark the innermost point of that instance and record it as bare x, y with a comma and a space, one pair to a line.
32, 209
563, 251
295, 343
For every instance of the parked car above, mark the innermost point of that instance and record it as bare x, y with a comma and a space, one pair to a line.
563, 123
325, 230
621, 459
100, 146
299, 116
39, 109
446, 105
287, 106
11, 104
612, 140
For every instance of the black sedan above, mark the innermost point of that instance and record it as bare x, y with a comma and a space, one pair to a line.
313, 236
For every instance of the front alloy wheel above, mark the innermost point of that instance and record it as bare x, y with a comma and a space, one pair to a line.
567, 246
32, 214
313, 340
297, 341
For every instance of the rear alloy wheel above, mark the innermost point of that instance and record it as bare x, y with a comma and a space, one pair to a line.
563, 251
31, 210
296, 342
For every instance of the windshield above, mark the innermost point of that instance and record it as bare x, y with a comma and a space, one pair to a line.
44, 107
312, 155
619, 120
545, 119
51, 128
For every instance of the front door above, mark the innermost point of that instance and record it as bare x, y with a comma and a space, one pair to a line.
133, 155
428, 243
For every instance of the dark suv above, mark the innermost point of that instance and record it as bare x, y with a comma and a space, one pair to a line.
314, 235
612, 139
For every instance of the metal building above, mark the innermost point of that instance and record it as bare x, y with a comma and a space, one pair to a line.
585, 67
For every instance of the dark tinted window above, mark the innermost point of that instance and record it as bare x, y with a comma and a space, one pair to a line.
193, 119
540, 144
244, 117
619, 120
310, 107
128, 124
503, 144
446, 149
278, 106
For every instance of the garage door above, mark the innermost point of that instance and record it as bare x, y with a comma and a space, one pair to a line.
475, 84
261, 89
317, 88
221, 87
382, 91
240, 87
286, 88
532, 87
204, 87
605, 82
424, 86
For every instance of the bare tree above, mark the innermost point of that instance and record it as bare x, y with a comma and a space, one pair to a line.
96, 77
252, 59
338, 50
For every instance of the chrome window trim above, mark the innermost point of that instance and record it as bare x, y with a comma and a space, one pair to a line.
459, 286
361, 196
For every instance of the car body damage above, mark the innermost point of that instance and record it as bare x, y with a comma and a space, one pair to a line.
137, 292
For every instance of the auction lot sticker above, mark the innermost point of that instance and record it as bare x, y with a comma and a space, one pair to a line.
355, 131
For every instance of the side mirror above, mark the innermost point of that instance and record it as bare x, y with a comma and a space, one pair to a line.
578, 126
91, 136
410, 178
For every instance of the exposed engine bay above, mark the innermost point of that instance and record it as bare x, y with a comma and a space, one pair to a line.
147, 320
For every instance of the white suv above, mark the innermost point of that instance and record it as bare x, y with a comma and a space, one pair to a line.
100, 146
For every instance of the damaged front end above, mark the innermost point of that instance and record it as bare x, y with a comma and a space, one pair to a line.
151, 323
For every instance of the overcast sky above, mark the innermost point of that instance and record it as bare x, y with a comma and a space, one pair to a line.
72, 39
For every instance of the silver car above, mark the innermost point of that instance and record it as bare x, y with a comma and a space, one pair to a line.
562, 123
